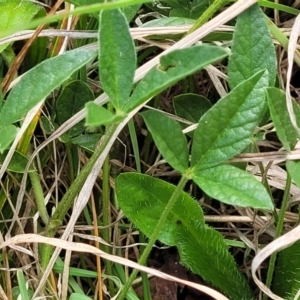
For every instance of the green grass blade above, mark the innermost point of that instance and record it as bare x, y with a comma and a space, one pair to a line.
22, 285
284, 128
278, 6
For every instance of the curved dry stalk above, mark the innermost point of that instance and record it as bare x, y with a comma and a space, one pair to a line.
281, 243
136, 33
83, 197
291, 52
85, 248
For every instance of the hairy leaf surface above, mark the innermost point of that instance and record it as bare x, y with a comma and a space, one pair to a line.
143, 198
233, 186
206, 254
173, 66
117, 57
287, 272
227, 128
40, 81
8, 133
252, 48
202, 249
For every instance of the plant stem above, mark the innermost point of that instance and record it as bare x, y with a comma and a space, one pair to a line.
135, 145
278, 231
39, 196
209, 12
155, 234
68, 199
70, 161
107, 220
145, 279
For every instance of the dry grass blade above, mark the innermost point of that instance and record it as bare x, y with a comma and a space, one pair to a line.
279, 244
84, 248
210, 26
84, 195
291, 52
136, 33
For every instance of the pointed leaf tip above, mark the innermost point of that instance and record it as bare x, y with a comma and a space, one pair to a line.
169, 139
233, 186
227, 128
252, 48
117, 57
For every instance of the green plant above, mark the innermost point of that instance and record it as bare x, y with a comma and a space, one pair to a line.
203, 157
172, 67
222, 132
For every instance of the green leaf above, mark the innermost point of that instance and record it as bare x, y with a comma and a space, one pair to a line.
168, 138
18, 162
233, 186
281, 118
226, 129
205, 253
293, 168
117, 57
143, 198
139, 194
40, 81
87, 141
24, 292
252, 48
171, 21
190, 107
15, 13
130, 11
174, 66
8, 133
71, 100
187, 9
1, 99
84, 2
77, 296
287, 272
97, 115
